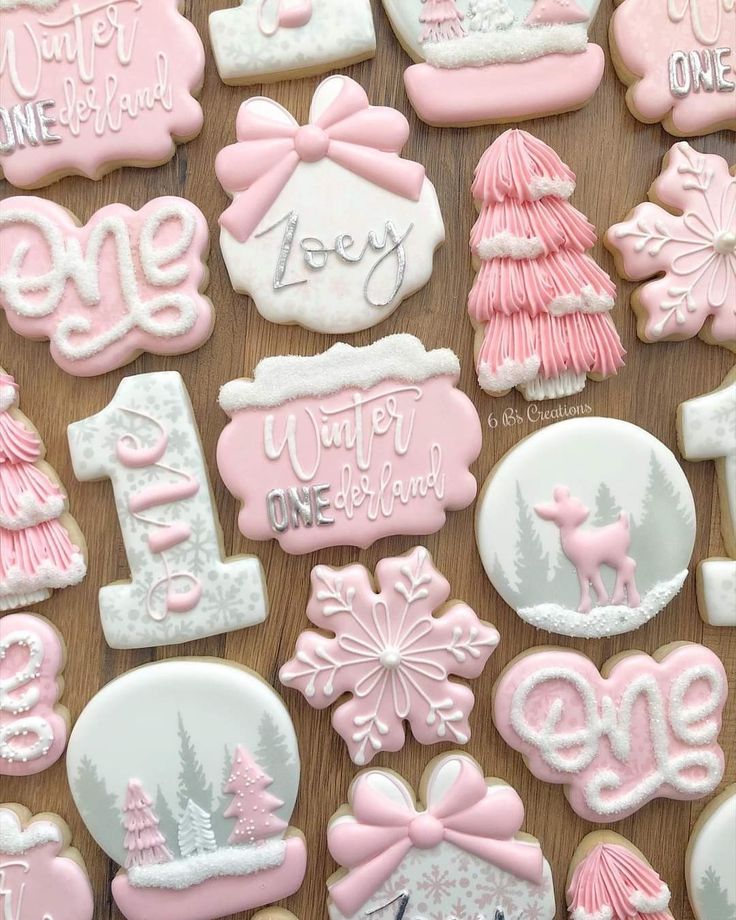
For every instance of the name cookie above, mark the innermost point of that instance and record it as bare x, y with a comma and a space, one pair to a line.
345, 448
329, 227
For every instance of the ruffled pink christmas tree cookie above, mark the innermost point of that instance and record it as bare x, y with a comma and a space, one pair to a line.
497, 61
454, 848
609, 878
684, 239
394, 650
41, 875
540, 304
41, 546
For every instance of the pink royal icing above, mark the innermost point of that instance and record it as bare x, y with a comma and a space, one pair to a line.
649, 729
692, 252
126, 282
391, 653
678, 58
33, 730
344, 448
87, 86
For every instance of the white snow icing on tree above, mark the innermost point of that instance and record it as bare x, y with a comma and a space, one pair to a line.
487, 15
195, 831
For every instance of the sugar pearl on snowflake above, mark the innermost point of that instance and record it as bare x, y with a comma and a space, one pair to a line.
725, 243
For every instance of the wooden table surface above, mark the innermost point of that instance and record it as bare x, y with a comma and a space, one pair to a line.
616, 158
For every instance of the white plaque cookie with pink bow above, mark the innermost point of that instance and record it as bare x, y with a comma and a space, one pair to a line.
329, 227
461, 854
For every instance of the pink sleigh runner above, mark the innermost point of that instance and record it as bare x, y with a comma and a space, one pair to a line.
540, 304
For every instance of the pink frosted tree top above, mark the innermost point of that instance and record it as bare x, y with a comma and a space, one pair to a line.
145, 843
252, 805
556, 12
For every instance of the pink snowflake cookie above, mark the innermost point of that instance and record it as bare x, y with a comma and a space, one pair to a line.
392, 653
692, 252
458, 855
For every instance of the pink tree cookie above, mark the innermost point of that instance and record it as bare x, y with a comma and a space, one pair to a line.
692, 252
442, 20
144, 841
252, 806
391, 653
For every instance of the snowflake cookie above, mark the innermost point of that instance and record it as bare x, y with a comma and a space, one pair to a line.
460, 854
693, 251
394, 650
710, 858
194, 808
40, 875
496, 61
706, 429
586, 528
125, 283
146, 441
329, 226
266, 40
643, 728
609, 878
678, 58
87, 87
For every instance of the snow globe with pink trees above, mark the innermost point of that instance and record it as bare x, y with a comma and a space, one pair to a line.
186, 773
497, 61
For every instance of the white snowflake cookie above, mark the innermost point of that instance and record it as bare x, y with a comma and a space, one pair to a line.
329, 226
587, 527
711, 857
460, 854
265, 40
194, 808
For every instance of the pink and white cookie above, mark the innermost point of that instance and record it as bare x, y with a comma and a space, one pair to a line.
194, 809
87, 87
345, 448
706, 428
329, 226
261, 41
684, 239
125, 283
497, 61
394, 650
609, 878
677, 58
710, 858
643, 728
41, 546
33, 725
540, 305
41, 876
463, 848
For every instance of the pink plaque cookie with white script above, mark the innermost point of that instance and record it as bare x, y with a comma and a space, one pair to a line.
86, 87
349, 446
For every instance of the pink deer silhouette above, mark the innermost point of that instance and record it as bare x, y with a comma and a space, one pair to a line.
588, 550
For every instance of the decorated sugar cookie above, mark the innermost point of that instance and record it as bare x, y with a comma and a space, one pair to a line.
458, 853
33, 726
497, 61
540, 305
41, 546
264, 40
147, 442
690, 254
329, 227
678, 59
710, 858
707, 431
275, 914
586, 528
126, 282
610, 878
346, 447
194, 806
41, 876
644, 728
87, 87
394, 649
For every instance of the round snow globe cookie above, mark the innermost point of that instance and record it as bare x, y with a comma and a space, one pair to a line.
586, 528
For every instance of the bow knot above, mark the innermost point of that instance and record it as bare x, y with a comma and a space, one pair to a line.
311, 143
426, 832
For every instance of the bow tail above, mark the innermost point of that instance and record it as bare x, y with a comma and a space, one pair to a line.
350, 892
387, 170
518, 857
249, 207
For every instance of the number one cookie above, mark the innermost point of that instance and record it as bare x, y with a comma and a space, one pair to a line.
146, 441
707, 431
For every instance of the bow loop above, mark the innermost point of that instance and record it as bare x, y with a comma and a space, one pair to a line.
352, 843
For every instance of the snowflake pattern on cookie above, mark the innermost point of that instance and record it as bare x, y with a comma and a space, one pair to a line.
391, 653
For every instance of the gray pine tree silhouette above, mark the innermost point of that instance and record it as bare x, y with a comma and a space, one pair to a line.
167, 822
502, 584
564, 585
275, 758
95, 801
221, 825
532, 565
192, 780
607, 509
714, 898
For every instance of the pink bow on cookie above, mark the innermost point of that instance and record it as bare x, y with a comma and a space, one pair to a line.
363, 138
462, 810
